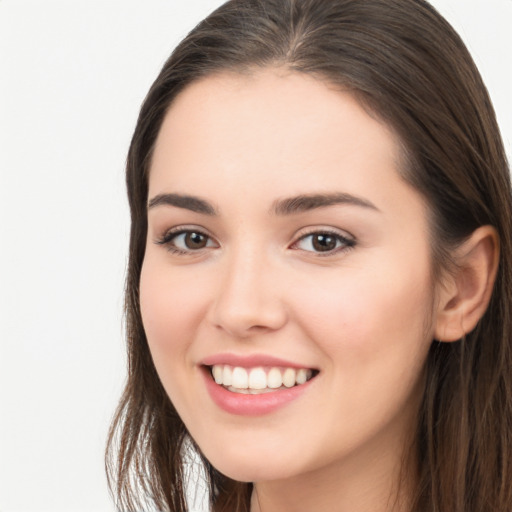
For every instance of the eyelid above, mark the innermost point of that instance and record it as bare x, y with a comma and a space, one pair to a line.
348, 241
172, 233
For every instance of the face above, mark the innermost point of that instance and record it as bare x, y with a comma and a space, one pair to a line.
286, 290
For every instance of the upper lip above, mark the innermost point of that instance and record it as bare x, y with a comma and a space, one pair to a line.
250, 361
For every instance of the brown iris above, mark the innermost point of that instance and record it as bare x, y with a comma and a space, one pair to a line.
324, 242
195, 240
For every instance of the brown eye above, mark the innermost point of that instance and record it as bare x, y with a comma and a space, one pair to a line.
187, 241
324, 242
194, 240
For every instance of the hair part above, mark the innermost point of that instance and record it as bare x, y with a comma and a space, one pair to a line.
404, 63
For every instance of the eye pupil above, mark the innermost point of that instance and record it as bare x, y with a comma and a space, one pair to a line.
324, 242
195, 240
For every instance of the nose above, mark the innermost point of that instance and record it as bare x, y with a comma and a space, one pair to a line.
249, 298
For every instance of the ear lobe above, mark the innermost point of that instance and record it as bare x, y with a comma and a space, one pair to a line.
466, 295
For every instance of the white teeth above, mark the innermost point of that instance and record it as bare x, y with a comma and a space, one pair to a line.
240, 379
289, 376
217, 374
274, 378
259, 379
227, 376
302, 376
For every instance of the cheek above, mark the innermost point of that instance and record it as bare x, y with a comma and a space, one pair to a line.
371, 327
371, 316
171, 307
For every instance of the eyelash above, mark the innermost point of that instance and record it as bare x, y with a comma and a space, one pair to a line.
168, 238
345, 243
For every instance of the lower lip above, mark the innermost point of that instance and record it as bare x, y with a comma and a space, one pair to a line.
251, 405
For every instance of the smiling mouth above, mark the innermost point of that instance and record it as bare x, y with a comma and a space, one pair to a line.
259, 379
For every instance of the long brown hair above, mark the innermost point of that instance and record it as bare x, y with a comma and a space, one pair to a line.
405, 64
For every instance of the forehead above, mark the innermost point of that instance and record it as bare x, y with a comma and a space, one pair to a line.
288, 131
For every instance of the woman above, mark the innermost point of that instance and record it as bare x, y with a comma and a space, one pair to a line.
319, 281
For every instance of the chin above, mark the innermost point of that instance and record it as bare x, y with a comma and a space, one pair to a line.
245, 472
253, 467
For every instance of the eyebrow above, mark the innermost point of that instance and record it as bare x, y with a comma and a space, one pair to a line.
308, 202
288, 206
191, 203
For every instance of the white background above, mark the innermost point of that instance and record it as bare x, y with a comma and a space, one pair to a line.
72, 76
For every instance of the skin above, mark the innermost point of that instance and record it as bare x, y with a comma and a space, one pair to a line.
364, 314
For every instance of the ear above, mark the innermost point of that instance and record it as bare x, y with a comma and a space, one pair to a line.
464, 296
